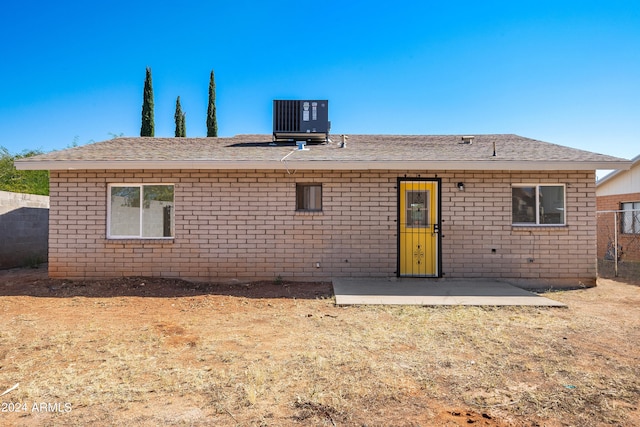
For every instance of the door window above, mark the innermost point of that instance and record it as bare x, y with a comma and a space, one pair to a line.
417, 206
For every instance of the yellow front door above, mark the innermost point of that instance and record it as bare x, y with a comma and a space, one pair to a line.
418, 228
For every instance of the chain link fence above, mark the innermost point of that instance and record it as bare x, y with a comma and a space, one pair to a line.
619, 244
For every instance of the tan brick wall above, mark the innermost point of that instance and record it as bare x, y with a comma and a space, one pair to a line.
243, 224
478, 220
630, 244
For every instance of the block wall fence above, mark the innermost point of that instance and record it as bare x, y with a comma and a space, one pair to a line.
24, 227
243, 224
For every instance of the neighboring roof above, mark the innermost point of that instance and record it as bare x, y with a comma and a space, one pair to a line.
621, 182
634, 162
362, 152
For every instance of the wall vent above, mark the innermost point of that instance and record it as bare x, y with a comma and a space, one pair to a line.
304, 120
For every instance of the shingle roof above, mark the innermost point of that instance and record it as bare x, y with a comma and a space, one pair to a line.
361, 152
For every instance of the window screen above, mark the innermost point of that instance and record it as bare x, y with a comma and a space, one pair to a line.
142, 211
538, 204
308, 197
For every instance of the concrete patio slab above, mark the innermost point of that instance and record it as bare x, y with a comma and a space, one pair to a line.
405, 291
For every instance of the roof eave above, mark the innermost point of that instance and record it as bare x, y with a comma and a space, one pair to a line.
612, 174
26, 164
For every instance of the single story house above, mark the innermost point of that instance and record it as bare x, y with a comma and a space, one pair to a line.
452, 206
619, 191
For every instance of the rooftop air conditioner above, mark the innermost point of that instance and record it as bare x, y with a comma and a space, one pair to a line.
301, 120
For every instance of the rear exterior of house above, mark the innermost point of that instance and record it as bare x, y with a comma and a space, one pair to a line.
356, 212
618, 204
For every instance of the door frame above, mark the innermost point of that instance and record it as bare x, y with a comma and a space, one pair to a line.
438, 182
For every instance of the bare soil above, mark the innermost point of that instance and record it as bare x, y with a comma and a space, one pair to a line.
140, 351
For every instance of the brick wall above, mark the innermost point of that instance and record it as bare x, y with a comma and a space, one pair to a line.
630, 244
478, 220
243, 224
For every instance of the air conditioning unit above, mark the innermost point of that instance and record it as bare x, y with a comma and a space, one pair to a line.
301, 120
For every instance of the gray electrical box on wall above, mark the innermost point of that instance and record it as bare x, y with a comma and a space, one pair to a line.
301, 120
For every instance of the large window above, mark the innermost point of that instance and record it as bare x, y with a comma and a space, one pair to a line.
309, 197
630, 220
140, 211
538, 204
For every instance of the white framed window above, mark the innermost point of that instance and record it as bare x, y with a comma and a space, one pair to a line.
630, 219
309, 197
538, 204
140, 211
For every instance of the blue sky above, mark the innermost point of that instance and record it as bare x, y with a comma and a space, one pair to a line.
566, 72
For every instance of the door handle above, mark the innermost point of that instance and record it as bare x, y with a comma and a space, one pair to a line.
436, 228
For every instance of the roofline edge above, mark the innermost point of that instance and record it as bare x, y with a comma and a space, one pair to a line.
26, 164
616, 172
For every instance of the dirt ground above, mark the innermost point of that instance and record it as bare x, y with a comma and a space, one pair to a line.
139, 351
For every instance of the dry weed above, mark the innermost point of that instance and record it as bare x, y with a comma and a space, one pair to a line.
228, 360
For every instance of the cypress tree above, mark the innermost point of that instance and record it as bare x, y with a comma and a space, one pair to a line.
179, 118
212, 122
147, 128
183, 123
